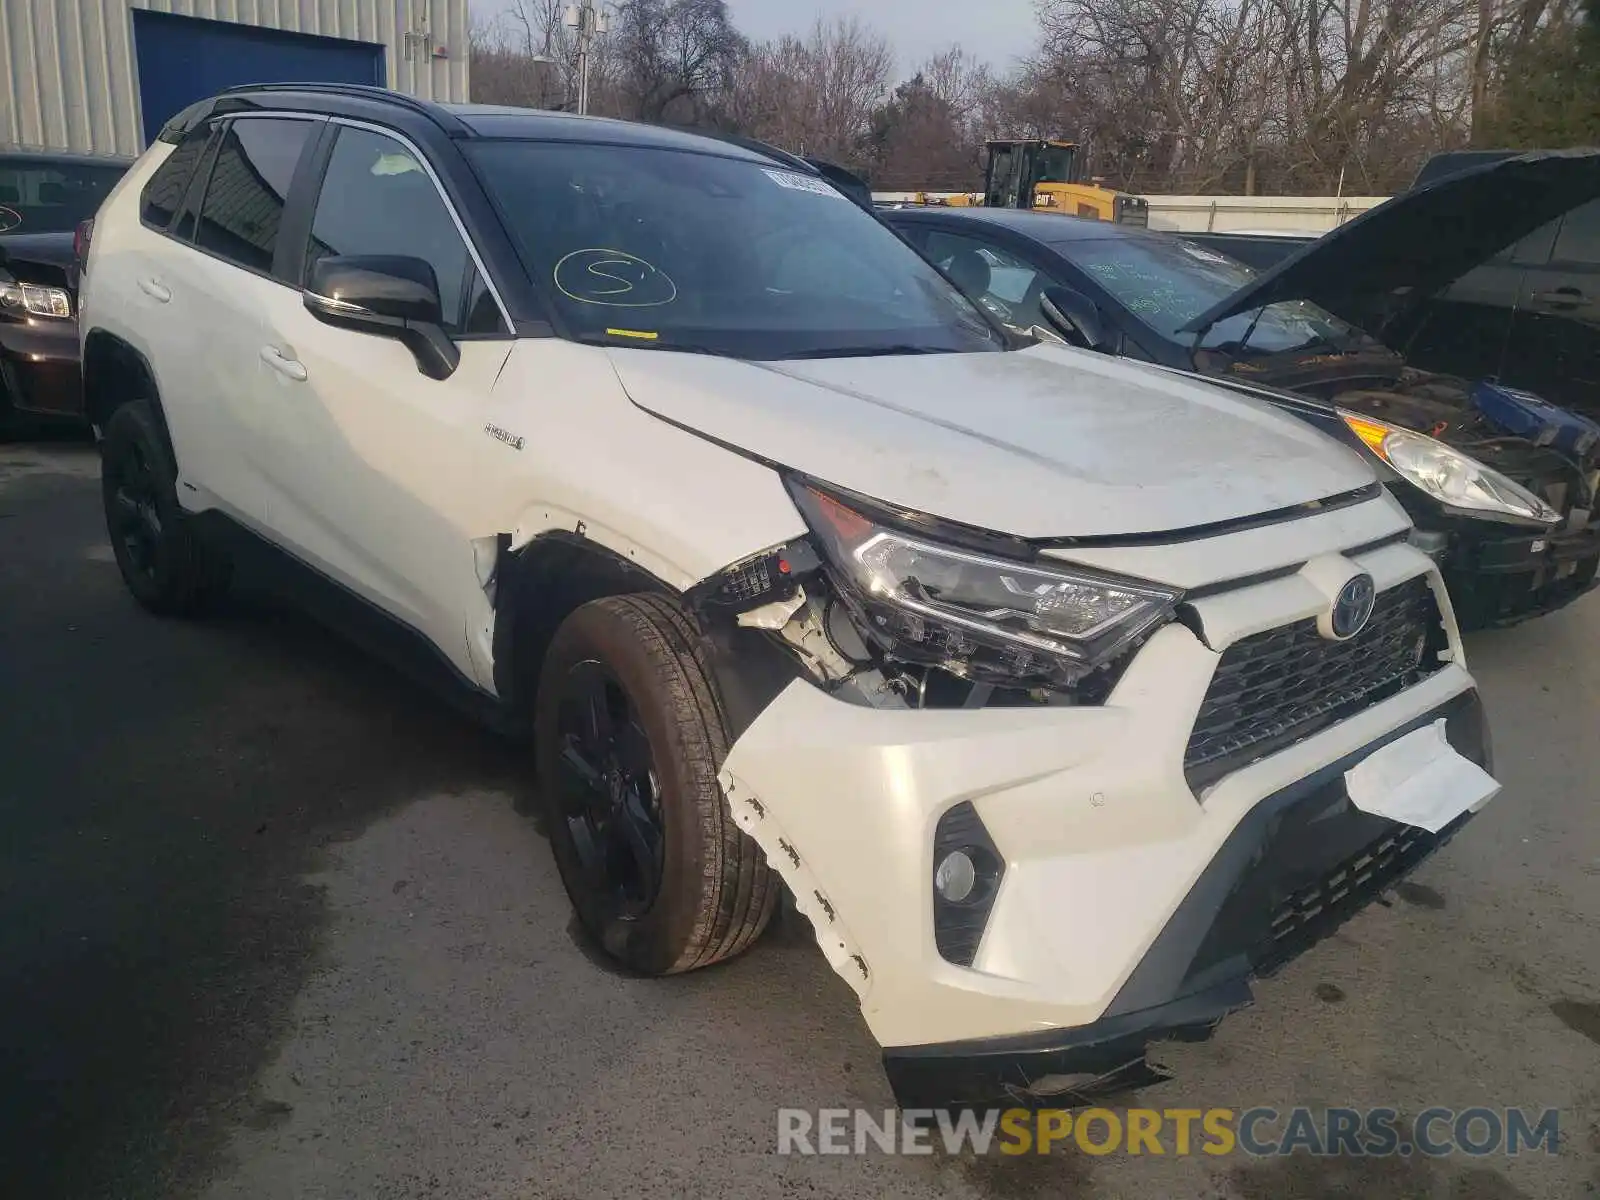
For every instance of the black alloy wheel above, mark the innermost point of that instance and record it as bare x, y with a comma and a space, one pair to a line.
164, 563
132, 514
609, 791
628, 742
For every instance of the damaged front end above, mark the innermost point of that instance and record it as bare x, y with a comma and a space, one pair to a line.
895, 613
881, 613
989, 827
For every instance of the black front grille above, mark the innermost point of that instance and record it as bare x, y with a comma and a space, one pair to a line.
1310, 913
1278, 687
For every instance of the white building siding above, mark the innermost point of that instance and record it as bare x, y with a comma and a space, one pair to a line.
69, 77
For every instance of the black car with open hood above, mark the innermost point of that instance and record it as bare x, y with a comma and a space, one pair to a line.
1377, 267
1501, 486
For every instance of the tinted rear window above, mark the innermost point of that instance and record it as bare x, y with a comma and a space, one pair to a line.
46, 196
166, 189
248, 187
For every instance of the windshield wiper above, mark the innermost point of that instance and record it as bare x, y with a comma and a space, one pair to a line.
624, 342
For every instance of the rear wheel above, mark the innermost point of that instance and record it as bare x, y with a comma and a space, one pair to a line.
629, 741
164, 564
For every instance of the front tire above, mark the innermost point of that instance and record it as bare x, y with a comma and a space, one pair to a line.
164, 564
629, 740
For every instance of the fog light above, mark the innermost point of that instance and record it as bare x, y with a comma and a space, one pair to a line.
967, 869
955, 877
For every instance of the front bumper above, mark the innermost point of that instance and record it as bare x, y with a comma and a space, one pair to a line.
1499, 581
39, 366
1105, 845
1300, 864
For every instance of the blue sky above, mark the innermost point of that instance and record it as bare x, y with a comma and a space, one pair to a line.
996, 31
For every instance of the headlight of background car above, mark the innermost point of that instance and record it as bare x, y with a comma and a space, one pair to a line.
979, 616
40, 301
1446, 474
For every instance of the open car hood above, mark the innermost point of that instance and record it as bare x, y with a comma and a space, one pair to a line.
1370, 269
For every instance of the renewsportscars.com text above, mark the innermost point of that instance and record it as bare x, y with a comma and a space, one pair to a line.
1258, 1132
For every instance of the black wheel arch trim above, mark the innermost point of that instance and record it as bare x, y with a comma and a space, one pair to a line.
98, 415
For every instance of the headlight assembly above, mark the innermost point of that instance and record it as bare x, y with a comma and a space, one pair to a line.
40, 301
979, 616
1448, 475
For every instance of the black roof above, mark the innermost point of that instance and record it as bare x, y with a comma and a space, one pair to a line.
537, 124
1050, 228
463, 122
70, 158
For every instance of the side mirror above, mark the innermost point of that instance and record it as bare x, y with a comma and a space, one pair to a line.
393, 296
1076, 318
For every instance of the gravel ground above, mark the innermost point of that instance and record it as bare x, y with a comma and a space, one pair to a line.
273, 929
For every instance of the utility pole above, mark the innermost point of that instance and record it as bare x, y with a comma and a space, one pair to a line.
590, 23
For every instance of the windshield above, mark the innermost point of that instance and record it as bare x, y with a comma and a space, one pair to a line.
679, 250
1055, 164
1167, 282
44, 196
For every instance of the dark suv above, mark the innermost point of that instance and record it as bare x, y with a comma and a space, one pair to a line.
44, 197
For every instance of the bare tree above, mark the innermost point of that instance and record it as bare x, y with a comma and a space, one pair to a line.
522, 56
814, 95
1166, 95
674, 59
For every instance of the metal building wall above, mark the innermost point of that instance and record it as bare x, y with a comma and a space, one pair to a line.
67, 68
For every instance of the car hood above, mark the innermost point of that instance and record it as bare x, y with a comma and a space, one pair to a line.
52, 248
1043, 442
44, 258
1409, 247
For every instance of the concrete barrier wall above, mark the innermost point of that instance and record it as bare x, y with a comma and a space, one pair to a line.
1232, 214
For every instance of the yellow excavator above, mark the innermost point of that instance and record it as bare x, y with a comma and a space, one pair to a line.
1047, 174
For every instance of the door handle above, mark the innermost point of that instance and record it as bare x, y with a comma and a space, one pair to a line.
288, 367
155, 290
1561, 298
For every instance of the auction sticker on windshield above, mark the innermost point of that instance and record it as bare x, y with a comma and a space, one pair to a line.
802, 183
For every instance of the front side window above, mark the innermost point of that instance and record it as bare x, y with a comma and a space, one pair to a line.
377, 199
249, 184
1166, 282
1000, 281
1056, 164
45, 196
675, 249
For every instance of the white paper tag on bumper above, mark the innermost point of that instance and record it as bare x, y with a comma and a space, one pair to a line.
1419, 780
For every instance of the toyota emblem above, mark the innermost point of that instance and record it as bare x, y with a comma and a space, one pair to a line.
1353, 607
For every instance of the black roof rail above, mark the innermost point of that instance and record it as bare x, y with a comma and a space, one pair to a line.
754, 145
446, 121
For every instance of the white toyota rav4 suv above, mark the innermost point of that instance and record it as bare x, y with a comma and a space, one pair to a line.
1065, 695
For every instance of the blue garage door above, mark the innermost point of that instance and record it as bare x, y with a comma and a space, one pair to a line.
184, 59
